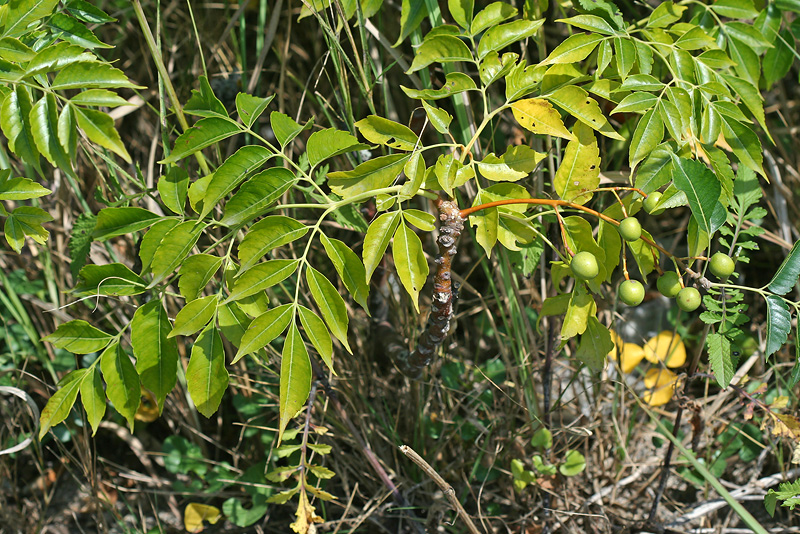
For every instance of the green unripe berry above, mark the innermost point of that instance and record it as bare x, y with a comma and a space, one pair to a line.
651, 202
630, 229
689, 299
584, 266
669, 284
631, 292
721, 265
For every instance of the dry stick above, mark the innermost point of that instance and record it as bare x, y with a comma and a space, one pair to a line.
546, 396
446, 488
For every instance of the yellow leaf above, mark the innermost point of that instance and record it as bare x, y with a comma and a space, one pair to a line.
614, 354
306, 516
148, 407
785, 425
579, 171
196, 513
666, 347
632, 353
539, 116
661, 385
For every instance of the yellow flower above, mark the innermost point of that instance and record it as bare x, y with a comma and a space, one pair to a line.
666, 347
661, 384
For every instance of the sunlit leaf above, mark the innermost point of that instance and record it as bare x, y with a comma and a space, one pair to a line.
410, 262
262, 276
206, 376
349, 267
440, 49
267, 234
194, 316
295, 377
122, 382
78, 337
377, 239
330, 304
264, 329
382, 131
256, 195
317, 333
60, 404
156, 355
579, 171
204, 133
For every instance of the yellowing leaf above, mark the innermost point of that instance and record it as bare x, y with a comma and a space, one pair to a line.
306, 516
540, 117
196, 513
632, 354
666, 347
580, 169
661, 385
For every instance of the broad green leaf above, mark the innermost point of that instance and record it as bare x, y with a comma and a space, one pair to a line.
295, 377
389, 133
487, 223
23, 13
204, 133
656, 169
122, 382
91, 74
647, 136
99, 97
787, 274
410, 262
264, 329
317, 333
461, 11
330, 304
720, 358
349, 268
78, 337
575, 48
744, 143
642, 253
204, 103
328, 143
67, 28
635, 102
574, 463
172, 187
206, 376
492, 67
99, 128
174, 247
267, 234
695, 39
156, 355
522, 80
672, 119
412, 13
747, 34
377, 239
251, 107
747, 62
591, 23
515, 164
778, 60
750, 97
26, 221
440, 49
150, 241
779, 324
491, 15
581, 306
499, 37
735, 9
231, 173
233, 322
595, 345
577, 102
21, 189
256, 195
372, 174
421, 219
455, 83
60, 404
58, 56
285, 128
112, 222
538, 116
439, 118
642, 82
625, 56
604, 56
260, 277
579, 171
451, 173
93, 398
414, 170
194, 316
114, 279
15, 122
702, 190
12, 49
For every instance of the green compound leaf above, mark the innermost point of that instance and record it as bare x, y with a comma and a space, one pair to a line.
501, 36
574, 49
595, 345
455, 83
78, 337
122, 382
172, 187
328, 143
26, 221
635, 102
251, 107
58, 56
260, 277
295, 377
577, 102
330, 304
373, 174
256, 195
99, 97
112, 222
414, 170
60, 404
204, 133
174, 247
702, 190
206, 376
787, 274
267, 234
93, 398
779, 324
538, 116
421, 219
264, 329
515, 164
440, 49
744, 143
156, 355
412, 13
580, 169
231, 173
735, 9
194, 316
350, 269
665, 14
99, 128
410, 262
451, 173
382, 131
720, 358
377, 239
318, 334
114, 279
591, 23
23, 13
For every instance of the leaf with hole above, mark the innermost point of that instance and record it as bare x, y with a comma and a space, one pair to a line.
577, 102
382, 131
455, 83
579, 171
